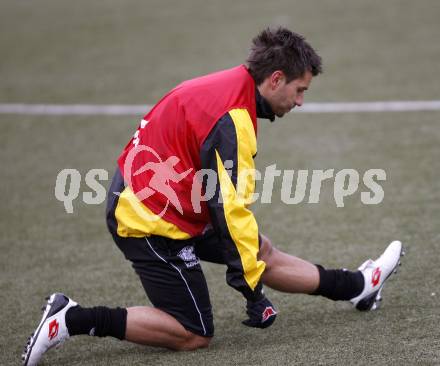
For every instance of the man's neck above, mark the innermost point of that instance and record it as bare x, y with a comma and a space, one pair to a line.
264, 109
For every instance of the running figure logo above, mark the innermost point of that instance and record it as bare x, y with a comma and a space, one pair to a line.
164, 172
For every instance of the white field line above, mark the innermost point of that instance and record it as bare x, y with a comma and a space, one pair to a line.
140, 110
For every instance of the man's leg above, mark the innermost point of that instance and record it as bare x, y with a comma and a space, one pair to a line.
173, 280
153, 327
363, 287
288, 273
141, 324
181, 318
63, 318
175, 284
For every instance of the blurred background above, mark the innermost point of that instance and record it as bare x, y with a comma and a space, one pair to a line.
132, 52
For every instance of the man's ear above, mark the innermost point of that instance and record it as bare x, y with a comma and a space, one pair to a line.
276, 78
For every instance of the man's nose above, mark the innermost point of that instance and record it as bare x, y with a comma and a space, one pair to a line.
299, 100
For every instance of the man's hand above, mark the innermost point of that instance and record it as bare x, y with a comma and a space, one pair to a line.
261, 313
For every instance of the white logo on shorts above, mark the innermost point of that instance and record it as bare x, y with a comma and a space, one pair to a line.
188, 256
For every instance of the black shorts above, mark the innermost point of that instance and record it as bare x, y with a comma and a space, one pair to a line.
172, 277
170, 270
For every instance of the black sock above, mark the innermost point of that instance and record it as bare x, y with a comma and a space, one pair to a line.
99, 321
339, 284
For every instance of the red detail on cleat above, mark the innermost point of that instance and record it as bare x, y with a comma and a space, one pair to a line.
53, 329
267, 313
376, 277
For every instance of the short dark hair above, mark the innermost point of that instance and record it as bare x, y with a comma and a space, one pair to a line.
281, 49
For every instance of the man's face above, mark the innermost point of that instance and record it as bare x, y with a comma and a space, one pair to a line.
283, 96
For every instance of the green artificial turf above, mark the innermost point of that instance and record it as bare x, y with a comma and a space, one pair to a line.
132, 52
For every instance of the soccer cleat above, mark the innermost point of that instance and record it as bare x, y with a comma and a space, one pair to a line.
375, 275
52, 330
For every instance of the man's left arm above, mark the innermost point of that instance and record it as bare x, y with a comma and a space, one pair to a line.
228, 151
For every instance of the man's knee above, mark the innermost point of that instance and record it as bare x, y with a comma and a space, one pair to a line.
193, 342
266, 249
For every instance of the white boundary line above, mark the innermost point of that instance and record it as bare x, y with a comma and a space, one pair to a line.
391, 106
74, 109
140, 110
